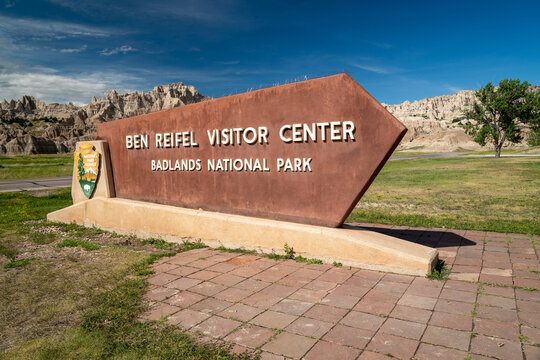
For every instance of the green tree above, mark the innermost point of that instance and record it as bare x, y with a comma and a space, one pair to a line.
80, 166
500, 112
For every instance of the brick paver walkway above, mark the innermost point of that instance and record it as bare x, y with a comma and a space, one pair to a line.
489, 308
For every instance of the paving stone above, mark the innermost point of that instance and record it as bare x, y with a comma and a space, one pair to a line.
452, 321
369, 355
406, 279
410, 313
473, 277
454, 307
164, 267
499, 291
362, 320
369, 275
527, 283
183, 283
457, 295
187, 318
309, 274
184, 299
341, 301
499, 348
466, 268
291, 280
359, 281
496, 313
274, 273
349, 336
202, 263
396, 346
217, 327
309, 327
421, 302
447, 337
326, 313
227, 279
204, 275
350, 290
292, 307
268, 356
207, 288
496, 271
374, 307
320, 285
211, 306
531, 352
159, 310
251, 284
529, 319
160, 293
245, 271
288, 344
496, 301
494, 279
393, 287
251, 336
233, 294
161, 279
532, 334
273, 319
222, 267
496, 328
278, 290
528, 306
430, 352
263, 301
403, 328
427, 291
308, 295
335, 276
423, 281
460, 285
324, 350
182, 270
240, 312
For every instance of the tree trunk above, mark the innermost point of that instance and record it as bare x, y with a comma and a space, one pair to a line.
498, 150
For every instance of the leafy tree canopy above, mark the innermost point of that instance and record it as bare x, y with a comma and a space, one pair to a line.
500, 111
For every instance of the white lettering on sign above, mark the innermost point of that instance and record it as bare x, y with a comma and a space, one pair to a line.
176, 139
294, 164
339, 131
235, 136
238, 165
137, 141
178, 165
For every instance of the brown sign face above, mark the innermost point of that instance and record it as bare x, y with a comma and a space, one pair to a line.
304, 152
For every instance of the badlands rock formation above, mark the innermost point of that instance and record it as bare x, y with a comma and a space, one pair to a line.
29, 126
430, 122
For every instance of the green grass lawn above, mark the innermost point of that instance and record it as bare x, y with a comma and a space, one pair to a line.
68, 292
35, 166
461, 193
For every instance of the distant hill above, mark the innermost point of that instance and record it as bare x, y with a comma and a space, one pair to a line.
29, 126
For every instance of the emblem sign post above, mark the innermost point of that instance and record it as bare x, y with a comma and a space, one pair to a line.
255, 170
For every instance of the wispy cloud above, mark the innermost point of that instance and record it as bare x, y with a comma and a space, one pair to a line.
124, 49
9, 4
46, 29
77, 50
454, 89
375, 69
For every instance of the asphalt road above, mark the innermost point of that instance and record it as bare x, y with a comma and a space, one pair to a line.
35, 184
65, 181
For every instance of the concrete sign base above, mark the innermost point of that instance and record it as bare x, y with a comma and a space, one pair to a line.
352, 247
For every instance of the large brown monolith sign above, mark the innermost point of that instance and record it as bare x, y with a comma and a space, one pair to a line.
303, 152
284, 165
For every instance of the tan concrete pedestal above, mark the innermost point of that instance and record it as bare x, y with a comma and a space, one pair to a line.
354, 247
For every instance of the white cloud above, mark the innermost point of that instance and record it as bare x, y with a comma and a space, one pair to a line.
123, 49
77, 50
454, 89
52, 87
375, 69
46, 29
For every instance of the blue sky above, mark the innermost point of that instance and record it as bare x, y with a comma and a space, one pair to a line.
61, 50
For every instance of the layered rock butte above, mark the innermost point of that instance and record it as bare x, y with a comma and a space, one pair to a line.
429, 120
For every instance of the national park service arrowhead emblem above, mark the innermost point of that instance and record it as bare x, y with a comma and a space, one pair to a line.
87, 160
